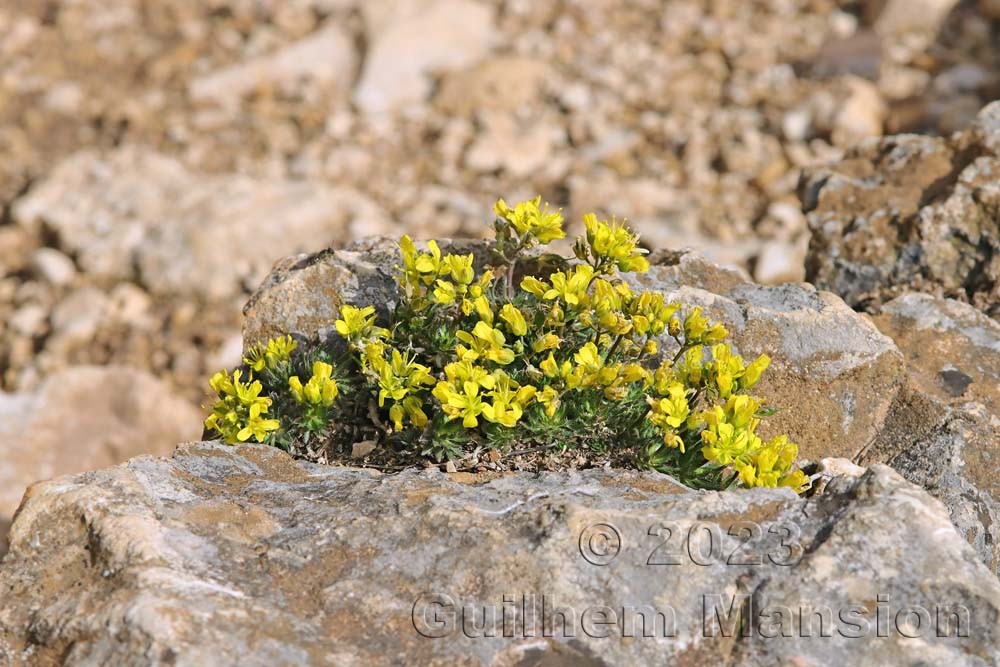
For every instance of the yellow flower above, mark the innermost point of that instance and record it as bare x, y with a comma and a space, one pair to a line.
465, 371
529, 219
669, 412
695, 325
689, 368
651, 314
612, 244
356, 324
636, 373
256, 426
514, 318
462, 401
570, 288
549, 398
429, 264
725, 369
275, 352
419, 270
534, 286
237, 415
770, 465
589, 359
400, 377
752, 373
508, 401
548, 341
472, 294
484, 342
460, 268
321, 389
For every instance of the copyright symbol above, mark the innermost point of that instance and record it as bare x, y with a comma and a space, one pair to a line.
600, 543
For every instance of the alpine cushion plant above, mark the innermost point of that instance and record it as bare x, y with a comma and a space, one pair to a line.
534, 351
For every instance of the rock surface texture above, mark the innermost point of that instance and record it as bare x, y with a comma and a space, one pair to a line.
85, 418
944, 433
240, 555
909, 212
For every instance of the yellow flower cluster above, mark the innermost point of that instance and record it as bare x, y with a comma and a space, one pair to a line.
238, 415
320, 390
611, 246
275, 351
530, 220
402, 381
470, 391
358, 324
729, 439
566, 355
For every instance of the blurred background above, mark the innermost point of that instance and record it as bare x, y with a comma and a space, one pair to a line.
158, 156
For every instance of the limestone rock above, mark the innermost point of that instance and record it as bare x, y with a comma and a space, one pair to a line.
956, 461
952, 350
303, 294
921, 16
302, 564
908, 212
85, 418
944, 431
54, 267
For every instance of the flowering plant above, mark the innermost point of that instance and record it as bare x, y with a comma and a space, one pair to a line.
529, 350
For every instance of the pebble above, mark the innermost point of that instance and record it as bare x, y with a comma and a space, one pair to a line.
53, 267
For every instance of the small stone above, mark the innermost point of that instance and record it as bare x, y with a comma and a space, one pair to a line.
861, 115
796, 124
836, 467
77, 318
450, 467
28, 320
919, 17
54, 267
362, 449
411, 39
780, 262
326, 57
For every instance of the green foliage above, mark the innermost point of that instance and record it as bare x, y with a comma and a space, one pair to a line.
568, 357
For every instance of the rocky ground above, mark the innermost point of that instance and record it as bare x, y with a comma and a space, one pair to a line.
240, 555
159, 156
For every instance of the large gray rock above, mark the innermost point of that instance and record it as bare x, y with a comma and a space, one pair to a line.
952, 350
910, 213
84, 418
944, 429
240, 555
833, 375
